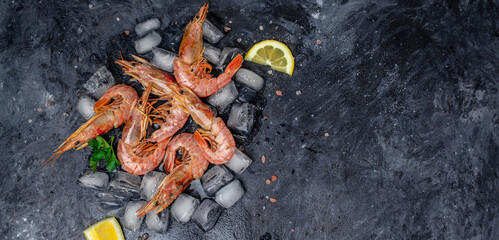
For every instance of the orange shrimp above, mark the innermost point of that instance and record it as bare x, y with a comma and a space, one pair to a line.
136, 154
218, 144
191, 166
191, 70
112, 110
147, 74
215, 139
170, 118
191, 104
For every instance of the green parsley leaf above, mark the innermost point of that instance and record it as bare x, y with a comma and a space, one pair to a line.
103, 150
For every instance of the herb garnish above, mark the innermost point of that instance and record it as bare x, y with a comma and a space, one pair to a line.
103, 150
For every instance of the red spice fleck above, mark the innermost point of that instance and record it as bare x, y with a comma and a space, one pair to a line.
263, 158
319, 41
273, 200
274, 177
268, 181
278, 92
227, 28
292, 229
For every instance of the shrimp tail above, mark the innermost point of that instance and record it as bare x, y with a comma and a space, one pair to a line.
234, 65
169, 189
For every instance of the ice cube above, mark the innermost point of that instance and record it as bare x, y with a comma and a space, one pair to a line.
211, 33
125, 184
85, 106
130, 219
150, 183
100, 82
211, 53
230, 194
227, 55
249, 78
163, 59
146, 26
111, 205
97, 180
241, 118
247, 94
196, 190
207, 214
239, 162
146, 43
183, 207
158, 222
215, 178
224, 97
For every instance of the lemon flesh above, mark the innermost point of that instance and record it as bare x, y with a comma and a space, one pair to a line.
108, 228
274, 54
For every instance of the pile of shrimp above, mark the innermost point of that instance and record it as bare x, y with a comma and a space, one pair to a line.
139, 152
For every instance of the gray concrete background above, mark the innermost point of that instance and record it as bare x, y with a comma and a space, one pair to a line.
406, 92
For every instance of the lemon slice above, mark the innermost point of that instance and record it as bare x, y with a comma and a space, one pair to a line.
274, 54
108, 228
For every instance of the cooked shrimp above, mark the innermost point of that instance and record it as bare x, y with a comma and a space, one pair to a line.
191, 104
170, 118
147, 74
112, 110
136, 154
192, 165
217, 144
191, 70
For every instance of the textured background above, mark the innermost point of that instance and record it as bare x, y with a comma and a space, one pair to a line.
407, 92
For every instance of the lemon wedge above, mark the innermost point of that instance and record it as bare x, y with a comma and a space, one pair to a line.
107, 229
274, 54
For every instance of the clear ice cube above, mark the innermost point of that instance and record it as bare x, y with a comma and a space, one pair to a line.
125, 184
230, 194
211, 53
215, 178
97, 180
111, 205
158, 222
227, 55
163, 59
224, 97
207, 214
249, 78
239, 162
100, 82
183, 208
130, 219
85, 106
211, 33
241, 118
196, 190
147, 25
150, 183
146, 43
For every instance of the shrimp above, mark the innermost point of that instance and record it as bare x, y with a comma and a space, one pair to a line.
147, 74
215, 139
192, 165
112, 110
170, 118
136, 154
191, 70
218, 144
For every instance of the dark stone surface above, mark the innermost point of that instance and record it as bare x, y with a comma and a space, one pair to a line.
407, 92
